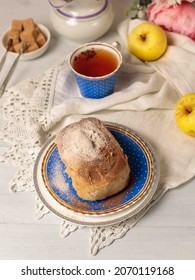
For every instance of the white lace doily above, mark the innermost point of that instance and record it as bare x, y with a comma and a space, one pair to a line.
24, 105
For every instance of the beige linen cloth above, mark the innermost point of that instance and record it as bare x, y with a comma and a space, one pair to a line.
144, 100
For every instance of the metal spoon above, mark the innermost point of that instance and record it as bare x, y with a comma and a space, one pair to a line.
9, 74
8, 46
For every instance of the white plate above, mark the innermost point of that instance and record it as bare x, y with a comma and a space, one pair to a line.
123, 210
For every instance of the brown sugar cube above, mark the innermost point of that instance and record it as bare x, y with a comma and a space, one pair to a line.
41, 40
28, 35
32, 47
17, 47
28, 23
14, 35
12, 49
37, 28
16, 25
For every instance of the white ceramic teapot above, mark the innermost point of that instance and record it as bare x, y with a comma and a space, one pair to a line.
81, 20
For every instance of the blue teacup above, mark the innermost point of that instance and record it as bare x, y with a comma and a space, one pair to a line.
95, 66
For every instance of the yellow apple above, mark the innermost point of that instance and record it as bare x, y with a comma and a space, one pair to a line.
147, 41
185, 114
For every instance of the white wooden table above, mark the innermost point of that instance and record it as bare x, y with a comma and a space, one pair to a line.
166, 232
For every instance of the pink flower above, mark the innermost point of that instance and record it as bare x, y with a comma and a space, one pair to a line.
179, 18
170, 2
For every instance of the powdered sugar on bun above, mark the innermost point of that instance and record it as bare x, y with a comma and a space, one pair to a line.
82, 140
93, 158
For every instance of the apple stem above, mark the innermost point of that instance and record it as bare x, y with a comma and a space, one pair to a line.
188, 110
143, 37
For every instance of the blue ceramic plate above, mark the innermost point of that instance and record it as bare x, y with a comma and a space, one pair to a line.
142, 163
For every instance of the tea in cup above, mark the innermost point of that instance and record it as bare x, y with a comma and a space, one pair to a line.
95, 66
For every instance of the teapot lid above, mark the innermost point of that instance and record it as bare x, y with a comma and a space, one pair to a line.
80, 9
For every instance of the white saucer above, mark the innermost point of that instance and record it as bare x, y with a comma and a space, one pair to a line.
82, 218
